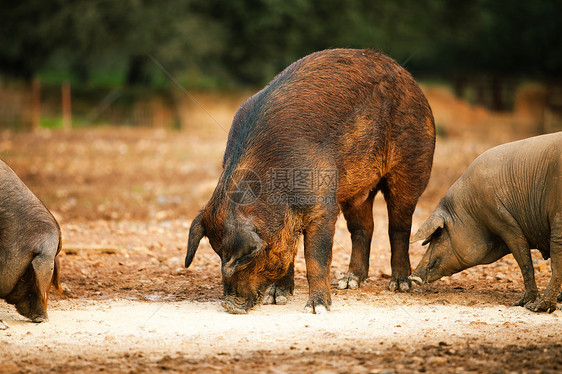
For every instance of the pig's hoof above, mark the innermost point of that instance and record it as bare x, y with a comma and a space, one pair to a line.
350, 281
320, 309
400, 284
277, 295
3, 325
528, 298
317, 306
317, 309
541, 306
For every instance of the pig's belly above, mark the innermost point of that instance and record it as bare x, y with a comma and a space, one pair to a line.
356, 192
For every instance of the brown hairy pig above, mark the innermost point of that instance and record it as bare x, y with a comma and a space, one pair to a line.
30, 240
326, 134
509, 200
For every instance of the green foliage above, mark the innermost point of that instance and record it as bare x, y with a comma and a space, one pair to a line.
216, 43
51, 122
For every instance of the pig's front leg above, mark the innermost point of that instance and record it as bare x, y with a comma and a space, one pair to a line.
281, 290
522, 254
318, 240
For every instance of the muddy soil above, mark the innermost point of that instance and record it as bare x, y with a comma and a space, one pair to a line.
125, 198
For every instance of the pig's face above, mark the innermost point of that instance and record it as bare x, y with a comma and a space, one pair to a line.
454, 246
441, 258
248, 265
242, 253
244, 289
26, 298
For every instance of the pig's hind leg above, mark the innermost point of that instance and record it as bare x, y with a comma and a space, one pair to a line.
510, 232
548, 302
401, 195
360, 225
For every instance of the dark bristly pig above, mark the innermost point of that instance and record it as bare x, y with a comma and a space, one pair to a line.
509, 200
325, 135
30, 240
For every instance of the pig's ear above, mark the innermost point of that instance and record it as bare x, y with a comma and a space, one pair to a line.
43, 267
433, 223
249, 246
55, 281
196, 233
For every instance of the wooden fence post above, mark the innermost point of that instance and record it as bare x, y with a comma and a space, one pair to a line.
35, 104
66, 107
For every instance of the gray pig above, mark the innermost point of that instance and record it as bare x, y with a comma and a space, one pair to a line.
30, 240
509, 200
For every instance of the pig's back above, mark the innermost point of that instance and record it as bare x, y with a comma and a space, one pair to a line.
525, 178
14, 194
356, 108
21, 212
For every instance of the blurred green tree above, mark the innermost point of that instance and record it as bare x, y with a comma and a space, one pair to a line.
82, 37
246, 42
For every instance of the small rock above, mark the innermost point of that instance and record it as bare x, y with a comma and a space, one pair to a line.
65, 289
387, 371
500, 276
437, 360
359, 370
418, 360
557, 313
3, 325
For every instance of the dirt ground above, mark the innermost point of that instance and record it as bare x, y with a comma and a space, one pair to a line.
125, 198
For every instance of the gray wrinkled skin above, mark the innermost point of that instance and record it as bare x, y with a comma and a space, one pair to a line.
509, 200
29, 243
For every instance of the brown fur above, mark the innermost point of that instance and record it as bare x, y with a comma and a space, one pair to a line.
355, 113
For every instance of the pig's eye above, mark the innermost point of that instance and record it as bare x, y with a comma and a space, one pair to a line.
432, 264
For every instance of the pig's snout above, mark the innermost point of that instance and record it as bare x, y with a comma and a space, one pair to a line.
237, 305
40, 318
420, 274
416, 279
232, 308
35, 313
240, 298
426, 273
